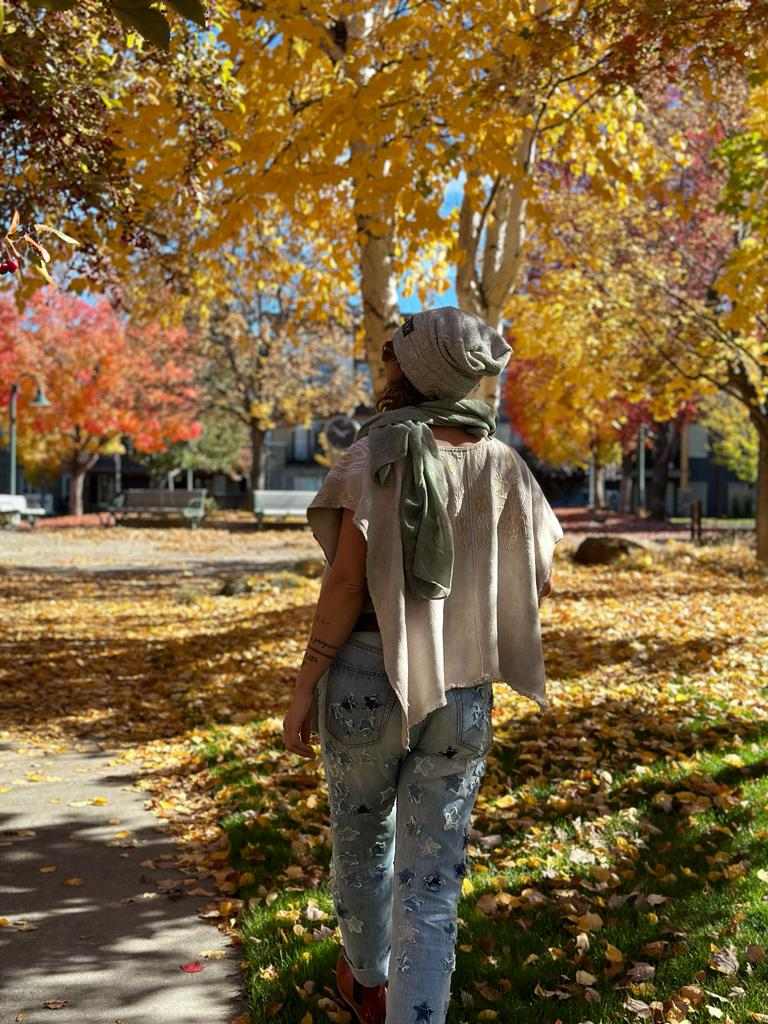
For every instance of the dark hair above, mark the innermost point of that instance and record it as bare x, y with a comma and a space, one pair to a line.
399, 393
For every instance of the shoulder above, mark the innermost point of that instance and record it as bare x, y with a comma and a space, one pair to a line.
507, 460
349, 465
354, 458
514, 473
514, 460
343, 485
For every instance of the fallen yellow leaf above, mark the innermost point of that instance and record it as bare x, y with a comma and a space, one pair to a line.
590, 922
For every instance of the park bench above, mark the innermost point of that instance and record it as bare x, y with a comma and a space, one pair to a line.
281, 504
15, 507
159, 501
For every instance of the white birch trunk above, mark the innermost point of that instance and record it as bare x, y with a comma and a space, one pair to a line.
381, 312
491, 238
375, 220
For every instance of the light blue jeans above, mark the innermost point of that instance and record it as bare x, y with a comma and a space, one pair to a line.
399, 825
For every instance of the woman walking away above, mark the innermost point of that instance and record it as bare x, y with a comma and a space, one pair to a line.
439, 545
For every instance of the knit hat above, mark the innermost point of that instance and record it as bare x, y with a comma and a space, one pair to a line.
445, 352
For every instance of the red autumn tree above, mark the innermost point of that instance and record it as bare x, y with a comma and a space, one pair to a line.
104, 379
9, 326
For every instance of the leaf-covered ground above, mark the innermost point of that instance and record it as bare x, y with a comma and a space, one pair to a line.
619, 864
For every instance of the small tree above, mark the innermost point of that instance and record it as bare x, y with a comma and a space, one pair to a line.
218, 449
278, 345
104, 379
734, 439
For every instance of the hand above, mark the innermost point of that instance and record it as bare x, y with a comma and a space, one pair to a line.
297, 724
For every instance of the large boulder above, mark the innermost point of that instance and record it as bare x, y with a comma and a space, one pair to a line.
312, 568
235, 586
602, 549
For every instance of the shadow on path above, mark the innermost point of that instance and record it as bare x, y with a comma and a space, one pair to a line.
111, 944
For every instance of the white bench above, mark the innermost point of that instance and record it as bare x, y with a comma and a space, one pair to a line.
15, 507
159, 501
282, 504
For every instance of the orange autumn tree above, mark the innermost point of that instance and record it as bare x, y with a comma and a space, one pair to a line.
105, 380
564, 410
9, 326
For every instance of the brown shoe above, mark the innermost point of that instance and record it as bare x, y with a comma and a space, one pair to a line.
369, 1005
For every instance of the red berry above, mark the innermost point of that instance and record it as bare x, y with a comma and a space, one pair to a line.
9, 267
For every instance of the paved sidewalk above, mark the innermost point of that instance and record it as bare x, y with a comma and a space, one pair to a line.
86, 926
132, 549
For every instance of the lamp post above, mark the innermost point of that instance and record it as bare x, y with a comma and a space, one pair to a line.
38, 402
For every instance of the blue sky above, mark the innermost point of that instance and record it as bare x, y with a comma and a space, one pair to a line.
453, 194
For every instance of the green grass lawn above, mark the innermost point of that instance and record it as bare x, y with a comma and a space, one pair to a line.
619, 861
672, 889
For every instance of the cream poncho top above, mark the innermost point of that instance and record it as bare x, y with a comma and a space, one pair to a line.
504, 538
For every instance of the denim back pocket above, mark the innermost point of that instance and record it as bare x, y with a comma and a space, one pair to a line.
358, 696
474, 726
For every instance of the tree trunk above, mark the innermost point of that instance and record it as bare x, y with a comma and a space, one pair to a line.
375, 221
258, 459
381, 312
485, 281
664, 448
625, 487
78, 469
600, 502
484, 289
762, 495
76, 492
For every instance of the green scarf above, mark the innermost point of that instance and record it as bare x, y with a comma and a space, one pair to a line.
424, 524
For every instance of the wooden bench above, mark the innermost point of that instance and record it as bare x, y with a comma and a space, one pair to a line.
15, 507
281, 504
159, 501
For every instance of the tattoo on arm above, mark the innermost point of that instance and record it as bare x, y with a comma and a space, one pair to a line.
323, 654
324, 643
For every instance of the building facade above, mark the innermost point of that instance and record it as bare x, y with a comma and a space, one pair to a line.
290, 464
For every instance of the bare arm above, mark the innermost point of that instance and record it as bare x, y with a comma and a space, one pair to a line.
341, 600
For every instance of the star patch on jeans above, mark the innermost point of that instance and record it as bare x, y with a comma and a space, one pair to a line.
433, 881
408, 933
428, 847
454, 784
415, 792
413, 904
403, 963
425, 765
412, 827
347, 834
452, 817
406, 876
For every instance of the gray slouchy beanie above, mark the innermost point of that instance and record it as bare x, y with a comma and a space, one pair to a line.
445, 352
